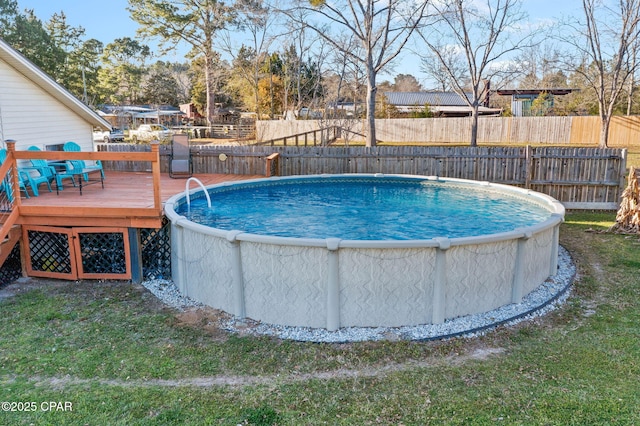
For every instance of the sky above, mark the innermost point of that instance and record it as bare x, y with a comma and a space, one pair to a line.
109, 20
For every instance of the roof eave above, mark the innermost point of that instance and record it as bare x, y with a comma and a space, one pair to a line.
31, 71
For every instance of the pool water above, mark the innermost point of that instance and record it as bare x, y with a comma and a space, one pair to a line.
364, 209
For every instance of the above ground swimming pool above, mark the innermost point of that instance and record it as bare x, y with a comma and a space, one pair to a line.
332, 251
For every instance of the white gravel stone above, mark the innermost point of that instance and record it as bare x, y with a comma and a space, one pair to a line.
547, 297
169, 294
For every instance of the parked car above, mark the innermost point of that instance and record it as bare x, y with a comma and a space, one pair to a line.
148, 132
114, 135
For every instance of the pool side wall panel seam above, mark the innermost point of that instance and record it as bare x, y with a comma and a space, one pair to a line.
518, 278
439, 287
238, 280
333, 290
553, 263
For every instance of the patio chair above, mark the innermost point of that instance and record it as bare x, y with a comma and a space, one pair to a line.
180, 163
80, 164
34, 181
36, 176
49, 171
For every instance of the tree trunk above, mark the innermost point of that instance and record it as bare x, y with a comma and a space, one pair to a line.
474, 125
632, 81
335, 104
211, 102
256, 89
630, 92
371, 108
604, 132
271, 112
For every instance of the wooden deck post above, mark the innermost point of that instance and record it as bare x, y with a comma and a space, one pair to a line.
11, 148
155, 169
272, 165
135, 251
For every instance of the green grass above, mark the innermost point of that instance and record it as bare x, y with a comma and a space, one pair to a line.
633, 157
120, 358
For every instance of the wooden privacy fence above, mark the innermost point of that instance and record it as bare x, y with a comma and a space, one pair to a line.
580, 178
578, 131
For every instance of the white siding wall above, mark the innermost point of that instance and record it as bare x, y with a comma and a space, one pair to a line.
31, 116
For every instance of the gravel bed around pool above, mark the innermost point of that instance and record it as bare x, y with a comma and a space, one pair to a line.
547, 297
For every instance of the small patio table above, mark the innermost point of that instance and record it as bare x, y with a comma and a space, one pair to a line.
77, 173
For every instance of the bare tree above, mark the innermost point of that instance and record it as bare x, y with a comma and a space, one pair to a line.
603, 52
304, 60
347, 78
539, 67
631, 81
194, 22
442, 66
469, 41
255, 20
381, 27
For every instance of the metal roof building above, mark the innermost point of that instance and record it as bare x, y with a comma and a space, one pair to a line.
448, 104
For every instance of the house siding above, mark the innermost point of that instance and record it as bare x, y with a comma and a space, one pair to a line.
31, 116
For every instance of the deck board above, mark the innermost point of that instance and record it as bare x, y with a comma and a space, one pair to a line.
122, 190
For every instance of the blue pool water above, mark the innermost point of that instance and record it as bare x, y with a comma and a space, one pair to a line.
363, 209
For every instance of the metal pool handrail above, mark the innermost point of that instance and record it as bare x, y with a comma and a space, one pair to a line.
187, 195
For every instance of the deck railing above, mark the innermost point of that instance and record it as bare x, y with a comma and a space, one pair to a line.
13, 208
323, 137
10, 196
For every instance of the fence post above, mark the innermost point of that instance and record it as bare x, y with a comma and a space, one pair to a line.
528, 167
622, 173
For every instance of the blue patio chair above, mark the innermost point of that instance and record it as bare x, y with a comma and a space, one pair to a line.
80, 164
49, 172
34, 181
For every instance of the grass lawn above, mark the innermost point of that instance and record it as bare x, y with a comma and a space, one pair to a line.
633, 157
113, 355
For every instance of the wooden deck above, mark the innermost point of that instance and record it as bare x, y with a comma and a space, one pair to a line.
124, 192
127, 200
